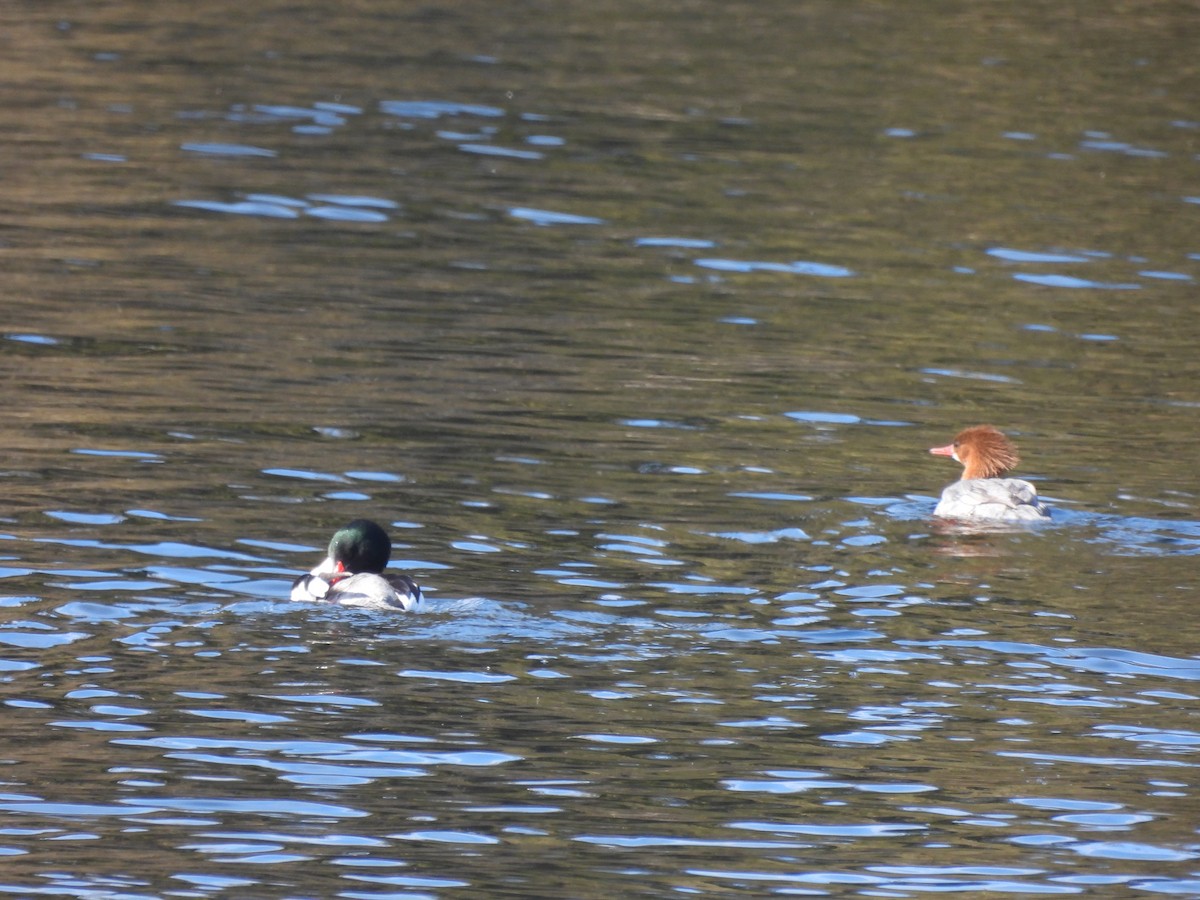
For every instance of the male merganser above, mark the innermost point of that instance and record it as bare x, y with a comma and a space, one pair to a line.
986, 454
352, 574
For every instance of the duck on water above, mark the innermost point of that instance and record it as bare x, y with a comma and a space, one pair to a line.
983, 493
352, 573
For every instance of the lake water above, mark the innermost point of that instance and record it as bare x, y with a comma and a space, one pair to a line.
633, 324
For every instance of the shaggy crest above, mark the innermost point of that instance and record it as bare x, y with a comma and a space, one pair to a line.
985, 452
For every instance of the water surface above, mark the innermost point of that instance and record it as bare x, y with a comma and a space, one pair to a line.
633, 325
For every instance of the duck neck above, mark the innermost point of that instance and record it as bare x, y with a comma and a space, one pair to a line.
981, 468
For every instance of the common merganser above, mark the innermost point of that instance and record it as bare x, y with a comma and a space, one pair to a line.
352, 574
986, 454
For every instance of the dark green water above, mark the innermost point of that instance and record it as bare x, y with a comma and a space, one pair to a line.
634, 325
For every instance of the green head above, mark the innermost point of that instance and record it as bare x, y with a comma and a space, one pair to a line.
360, 546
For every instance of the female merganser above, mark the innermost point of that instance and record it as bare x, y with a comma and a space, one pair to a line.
352, 574
986, 454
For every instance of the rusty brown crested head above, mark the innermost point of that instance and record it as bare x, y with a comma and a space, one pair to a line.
983, 450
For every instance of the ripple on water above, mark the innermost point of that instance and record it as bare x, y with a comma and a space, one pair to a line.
1029, 256
680, 242
436, 109
334, 207
354, 201
1165, 276
305, 475
119, 454
973, 376
80, 518
764, 537
1099, 659
242, 208
1073, 282
821, 417
801, 267
1131, 850
1137, 535
214, 149
346, 214
813, 829
546, 217
507, 152
37, 339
